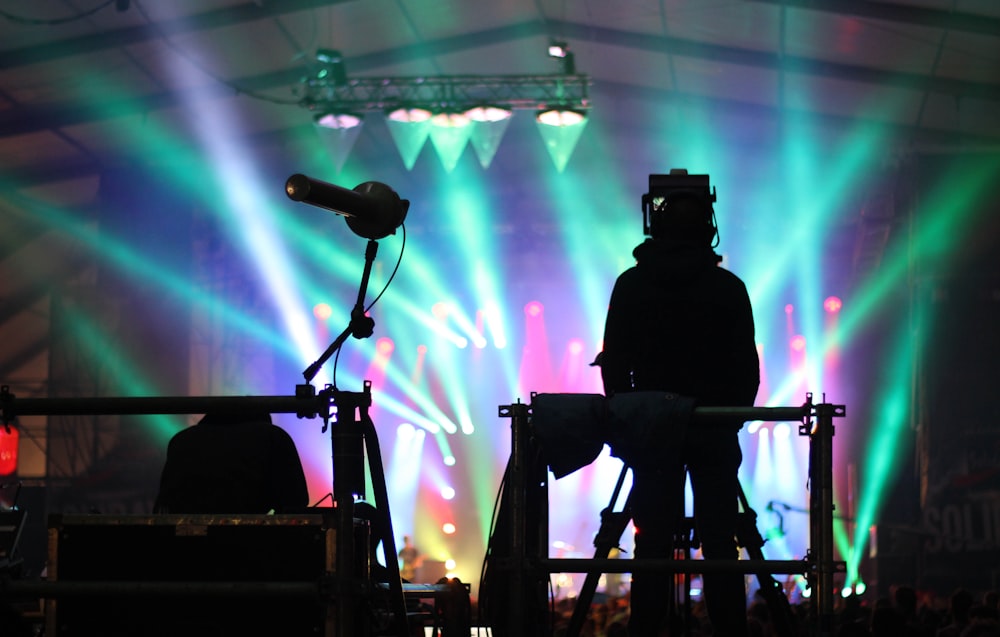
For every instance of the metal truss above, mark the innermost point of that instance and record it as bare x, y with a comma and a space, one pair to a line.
446, 93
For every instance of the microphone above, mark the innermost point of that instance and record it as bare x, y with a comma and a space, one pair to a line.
372, 210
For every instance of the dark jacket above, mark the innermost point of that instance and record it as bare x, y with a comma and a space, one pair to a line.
678, 322
240, 463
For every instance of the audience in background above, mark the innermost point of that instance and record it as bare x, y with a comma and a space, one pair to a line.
905, 612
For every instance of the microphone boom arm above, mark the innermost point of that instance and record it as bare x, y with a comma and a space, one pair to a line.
360, 326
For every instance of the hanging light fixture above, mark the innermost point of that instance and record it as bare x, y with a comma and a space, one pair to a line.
489, 123
409, 125
409, 114
338, 121
450, 119
451, 110
560, 116
561, 52
488, 113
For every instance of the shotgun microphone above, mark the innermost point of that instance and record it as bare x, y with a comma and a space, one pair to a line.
372, 209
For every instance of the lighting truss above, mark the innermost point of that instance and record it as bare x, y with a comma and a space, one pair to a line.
449, 92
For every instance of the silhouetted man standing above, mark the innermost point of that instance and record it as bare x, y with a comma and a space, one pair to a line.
232, 463
679, 323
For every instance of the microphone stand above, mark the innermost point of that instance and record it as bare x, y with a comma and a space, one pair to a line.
360, 325
348, 442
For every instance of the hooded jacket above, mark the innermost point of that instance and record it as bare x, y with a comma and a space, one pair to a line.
677, 322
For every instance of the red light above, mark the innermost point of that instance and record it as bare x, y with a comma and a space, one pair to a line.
832, 304
798, 343
385, 346
322, 311
9, 440
533, 309
440, 310
789, 308
575, 346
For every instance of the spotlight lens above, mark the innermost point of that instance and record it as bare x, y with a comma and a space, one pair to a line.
488, 114
450, 120
338, 121
411, 115
322, 311
560, 117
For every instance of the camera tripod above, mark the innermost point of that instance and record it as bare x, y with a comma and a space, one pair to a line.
613, 525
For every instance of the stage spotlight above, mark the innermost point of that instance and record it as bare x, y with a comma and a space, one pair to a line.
450, 119
440, 310
333, 68
329, 56
560, 117
338, 121
385, 346
410, 114
489, 123
322, 311
798, 343
488, 114
561, 52
406, 432
558, 49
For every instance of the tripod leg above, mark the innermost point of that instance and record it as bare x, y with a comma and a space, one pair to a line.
398, 600
613, 524
749, 537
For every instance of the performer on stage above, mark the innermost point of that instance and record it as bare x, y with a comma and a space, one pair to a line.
410, 560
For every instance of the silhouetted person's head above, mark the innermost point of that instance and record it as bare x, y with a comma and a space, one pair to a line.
906, 600
960, 602
683, 217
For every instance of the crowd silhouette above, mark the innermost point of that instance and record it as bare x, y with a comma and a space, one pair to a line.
905, 612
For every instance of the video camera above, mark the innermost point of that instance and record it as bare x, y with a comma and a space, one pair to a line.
677, 184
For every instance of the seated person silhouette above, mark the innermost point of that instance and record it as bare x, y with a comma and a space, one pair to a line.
232, 462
